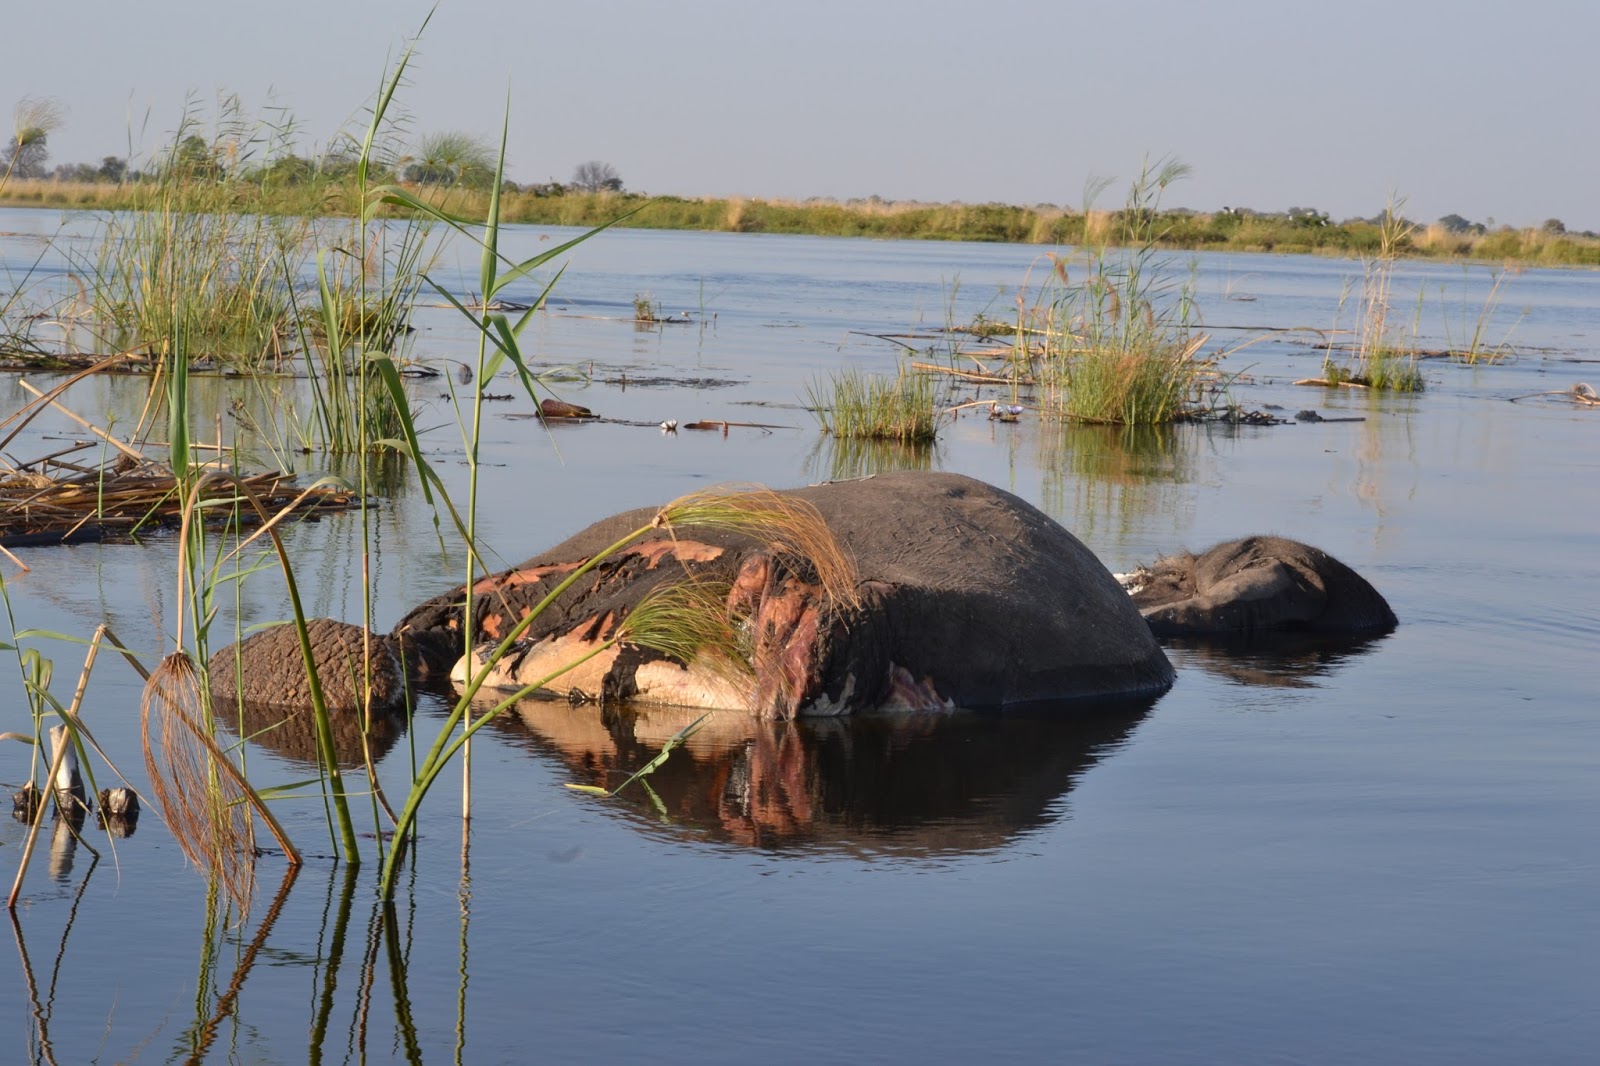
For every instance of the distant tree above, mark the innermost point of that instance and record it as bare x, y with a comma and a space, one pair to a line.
1454, 224
596, 176
1554, 226
452, 158
192, 158
25, 158
287, 169
112, 168
75, 172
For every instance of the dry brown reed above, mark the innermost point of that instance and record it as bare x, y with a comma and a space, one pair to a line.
206, 807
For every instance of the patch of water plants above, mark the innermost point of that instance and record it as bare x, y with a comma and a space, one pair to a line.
857, 405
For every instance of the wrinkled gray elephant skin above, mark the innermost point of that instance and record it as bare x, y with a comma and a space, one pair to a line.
1257, 584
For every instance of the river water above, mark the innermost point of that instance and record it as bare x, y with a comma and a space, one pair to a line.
1377, 853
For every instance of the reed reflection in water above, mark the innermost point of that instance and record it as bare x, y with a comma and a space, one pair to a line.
339, 949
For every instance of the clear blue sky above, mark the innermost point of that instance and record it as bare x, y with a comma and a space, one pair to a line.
1476, 108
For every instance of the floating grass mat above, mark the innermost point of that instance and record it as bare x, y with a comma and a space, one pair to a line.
128, 497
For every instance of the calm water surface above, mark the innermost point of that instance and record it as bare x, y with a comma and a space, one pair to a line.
1381, 853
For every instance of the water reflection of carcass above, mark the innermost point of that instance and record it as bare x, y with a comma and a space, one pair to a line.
908, 785
1272, 660
292, 733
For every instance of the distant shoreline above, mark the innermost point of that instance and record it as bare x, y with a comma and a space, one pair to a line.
1231, 231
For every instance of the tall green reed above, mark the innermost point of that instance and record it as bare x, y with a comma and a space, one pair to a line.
1470, 342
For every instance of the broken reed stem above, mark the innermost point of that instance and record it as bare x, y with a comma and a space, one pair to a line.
33, 410
201, 794
51, 794
319, 706
47, 796
84, 422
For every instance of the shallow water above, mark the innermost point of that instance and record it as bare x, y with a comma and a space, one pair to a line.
1380, 853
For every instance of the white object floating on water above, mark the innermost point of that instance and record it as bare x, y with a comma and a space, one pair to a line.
670, 426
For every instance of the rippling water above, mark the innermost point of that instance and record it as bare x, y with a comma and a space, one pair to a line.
1385, 852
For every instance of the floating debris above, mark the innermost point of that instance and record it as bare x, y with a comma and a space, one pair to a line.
1232, 415
709, 424
550, 408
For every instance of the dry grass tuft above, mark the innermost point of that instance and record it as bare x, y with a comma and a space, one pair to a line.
207, 809
790, 525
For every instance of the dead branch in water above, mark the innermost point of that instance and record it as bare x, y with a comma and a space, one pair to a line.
974, 376
1583, 394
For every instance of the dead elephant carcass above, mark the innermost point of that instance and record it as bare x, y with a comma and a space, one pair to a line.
1257, 584
963, 595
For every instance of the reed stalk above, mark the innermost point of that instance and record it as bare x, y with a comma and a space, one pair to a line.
1473, 346
1381, 359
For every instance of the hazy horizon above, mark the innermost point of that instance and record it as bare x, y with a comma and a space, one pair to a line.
1475, 109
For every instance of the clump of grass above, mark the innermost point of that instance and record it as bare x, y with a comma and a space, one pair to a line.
644, 310
865, 406
1119, 347
1382, 359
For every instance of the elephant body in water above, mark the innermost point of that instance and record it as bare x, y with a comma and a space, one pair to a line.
963, 595
966, 596
1256, 584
